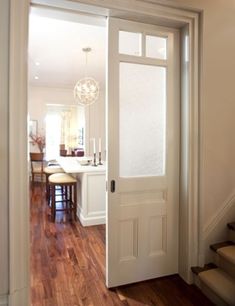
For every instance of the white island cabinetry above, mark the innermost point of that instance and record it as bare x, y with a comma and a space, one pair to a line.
91, 198
91, 189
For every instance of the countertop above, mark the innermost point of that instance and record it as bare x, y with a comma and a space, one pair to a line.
72, 165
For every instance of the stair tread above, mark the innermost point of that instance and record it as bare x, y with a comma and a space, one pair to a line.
197, 270
221, 283
219, 245
231, 226
228, 252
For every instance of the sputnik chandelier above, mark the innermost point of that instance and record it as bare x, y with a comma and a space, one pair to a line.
86, 91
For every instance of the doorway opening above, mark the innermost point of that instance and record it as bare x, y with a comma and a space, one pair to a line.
67, 134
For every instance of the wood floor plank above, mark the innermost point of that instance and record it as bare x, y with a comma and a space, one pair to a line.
68, 267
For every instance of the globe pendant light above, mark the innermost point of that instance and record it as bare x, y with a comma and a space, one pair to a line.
86, 91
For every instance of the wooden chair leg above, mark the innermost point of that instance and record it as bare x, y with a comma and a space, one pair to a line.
69, 202
49, 195
70, 194
65, 196
47, 190
53, 203
68, 199
75, 200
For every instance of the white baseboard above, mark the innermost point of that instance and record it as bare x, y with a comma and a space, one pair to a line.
20, 297
91, 220
3, 300
216, 228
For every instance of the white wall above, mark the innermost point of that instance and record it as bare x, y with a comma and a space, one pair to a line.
217, 111
217, 103
39, 96
95, 124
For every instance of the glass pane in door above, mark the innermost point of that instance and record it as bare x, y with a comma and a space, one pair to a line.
130, 43
156, 47
142, 115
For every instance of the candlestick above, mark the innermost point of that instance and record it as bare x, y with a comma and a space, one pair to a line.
99, 144
100, 163
94, 150
94, 161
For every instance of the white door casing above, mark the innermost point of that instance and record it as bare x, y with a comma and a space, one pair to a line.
189, 22
143, 212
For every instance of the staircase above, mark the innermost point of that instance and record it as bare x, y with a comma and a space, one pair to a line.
217, 279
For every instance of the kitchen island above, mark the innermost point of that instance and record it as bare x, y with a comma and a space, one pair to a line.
91, 189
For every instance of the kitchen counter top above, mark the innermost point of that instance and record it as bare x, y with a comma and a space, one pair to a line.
72, 165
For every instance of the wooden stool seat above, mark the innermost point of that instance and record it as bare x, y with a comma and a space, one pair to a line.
53, 170
61, 178
49, 171
68, 199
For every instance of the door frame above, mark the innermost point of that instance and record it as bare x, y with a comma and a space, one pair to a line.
188, 22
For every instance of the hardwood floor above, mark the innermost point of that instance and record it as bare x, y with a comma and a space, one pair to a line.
68, 267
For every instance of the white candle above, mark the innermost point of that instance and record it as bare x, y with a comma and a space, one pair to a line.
99, 144
94, 151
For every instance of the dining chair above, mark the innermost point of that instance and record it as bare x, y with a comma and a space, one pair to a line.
63, 152
37, 165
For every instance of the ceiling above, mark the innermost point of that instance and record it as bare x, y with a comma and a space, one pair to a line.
56, 40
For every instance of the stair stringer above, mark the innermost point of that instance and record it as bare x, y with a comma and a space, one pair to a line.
215, 229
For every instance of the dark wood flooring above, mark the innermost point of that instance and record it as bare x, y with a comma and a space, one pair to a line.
68, 267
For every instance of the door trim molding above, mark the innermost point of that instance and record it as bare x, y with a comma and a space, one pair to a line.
19, 245
19, 274
3, 300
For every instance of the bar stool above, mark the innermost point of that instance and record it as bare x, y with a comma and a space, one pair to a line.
49, 171
69, 198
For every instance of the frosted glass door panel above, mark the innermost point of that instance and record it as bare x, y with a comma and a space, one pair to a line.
130, 43
142, 116
156, 47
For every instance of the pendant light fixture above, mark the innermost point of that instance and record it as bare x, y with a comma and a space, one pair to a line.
86, 91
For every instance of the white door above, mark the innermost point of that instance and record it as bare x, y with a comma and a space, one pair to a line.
143, 152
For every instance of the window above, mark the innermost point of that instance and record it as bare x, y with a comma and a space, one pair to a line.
63, 126
53, 127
